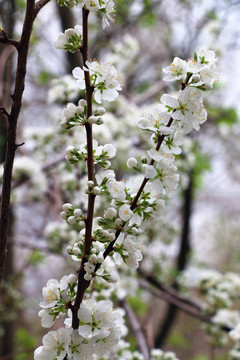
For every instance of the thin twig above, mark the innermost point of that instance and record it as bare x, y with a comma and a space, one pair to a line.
170, 290
39, 5
6, 40
180, 304
136, 328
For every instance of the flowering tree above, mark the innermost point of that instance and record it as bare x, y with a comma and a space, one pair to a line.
93, 328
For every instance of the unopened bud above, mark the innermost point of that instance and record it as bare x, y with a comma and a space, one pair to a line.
67, 206
72, 220
82, 102
132, 162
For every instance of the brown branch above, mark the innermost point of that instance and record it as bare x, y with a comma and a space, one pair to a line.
4, 111
82, 283
39, 5
6, 40
22, 48
137, 330
176, 301
170, 290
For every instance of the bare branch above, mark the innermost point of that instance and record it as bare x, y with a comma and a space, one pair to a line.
4, 111
39, 5
176, 301
22, 47
137, 330
171, 291
181, 304
6, 40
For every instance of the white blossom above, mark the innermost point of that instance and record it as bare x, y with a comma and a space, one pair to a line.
55, 345
46, 320
108, 13
125, 212
92, 5
106, 82
51, 293
177, 70
99, 324
116, 189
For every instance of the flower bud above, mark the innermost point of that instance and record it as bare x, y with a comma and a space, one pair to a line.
101, 111
69, 249
72, 279
110, 213
98, 219
132, 162
92, 119
118, 222
69, 32
111, 237
107, 164
196, 78
79, 109
105, 233
90, 183
88, 277
72, 220
67, 206
100, 259
96, 190
63, 215
69, 149
77, 212
100, 121
93, 258
82, 102
144, 167
76, 251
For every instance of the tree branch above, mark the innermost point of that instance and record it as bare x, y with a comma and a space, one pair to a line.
6, 40
136, 328
82, 283
39, 5
23, 48
170, 290
182, 305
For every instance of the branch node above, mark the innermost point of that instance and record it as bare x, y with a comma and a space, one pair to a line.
17, 145
6, 40
4, 111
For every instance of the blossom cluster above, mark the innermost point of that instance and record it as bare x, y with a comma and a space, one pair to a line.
105, 79
100, 327
105, 7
